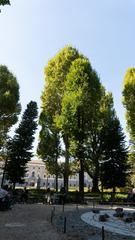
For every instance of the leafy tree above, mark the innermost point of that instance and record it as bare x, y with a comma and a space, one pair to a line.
9, 102
9, 108
129, 104
55, 74
94, 151
129, 101
4, 2
114, 164
79, 104
19, 148
49, 149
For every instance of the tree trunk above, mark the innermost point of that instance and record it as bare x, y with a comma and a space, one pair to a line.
80, 151
66, 169
14, 186
56, 182
113, 194
96, 177
95, 184
81, 181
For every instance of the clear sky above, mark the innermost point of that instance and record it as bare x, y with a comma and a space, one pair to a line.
33, 31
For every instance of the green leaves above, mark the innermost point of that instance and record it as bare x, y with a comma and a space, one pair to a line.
4, 2
129, 100
19, 148
9, 100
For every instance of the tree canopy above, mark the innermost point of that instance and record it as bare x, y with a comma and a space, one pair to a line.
129, 100
78, 108
4, 2
9, 101
55, 76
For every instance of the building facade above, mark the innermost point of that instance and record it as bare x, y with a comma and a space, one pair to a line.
37, 177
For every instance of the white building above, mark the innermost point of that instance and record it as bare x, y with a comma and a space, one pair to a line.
37, 176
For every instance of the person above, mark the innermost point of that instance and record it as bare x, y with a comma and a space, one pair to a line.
62, 195
48, 196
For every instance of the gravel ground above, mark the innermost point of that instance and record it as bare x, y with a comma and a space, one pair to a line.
76, 229
43, 222
28, 222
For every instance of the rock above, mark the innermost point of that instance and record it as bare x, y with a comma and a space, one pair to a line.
102, 218
128, 219
96, 211
119, 213
118, 210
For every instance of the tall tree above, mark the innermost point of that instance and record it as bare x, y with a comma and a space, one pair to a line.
19, 148
114, 163
93, 142
129, 104
129, 100
9, 108
55, 75
79, 104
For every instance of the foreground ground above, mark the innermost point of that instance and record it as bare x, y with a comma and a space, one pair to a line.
36, 222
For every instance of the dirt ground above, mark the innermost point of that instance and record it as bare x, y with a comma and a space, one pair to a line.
28, 222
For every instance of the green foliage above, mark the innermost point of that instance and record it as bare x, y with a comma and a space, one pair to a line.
19, 148
129, 101
9, 102
49, 149
9, 109
80, 108
4, 2
76, 105
55, 75
114, 164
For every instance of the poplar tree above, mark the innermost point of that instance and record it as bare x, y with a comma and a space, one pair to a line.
80, 102
129, 101
55, 75
129, 104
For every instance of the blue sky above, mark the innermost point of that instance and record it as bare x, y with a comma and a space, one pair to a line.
33, 31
